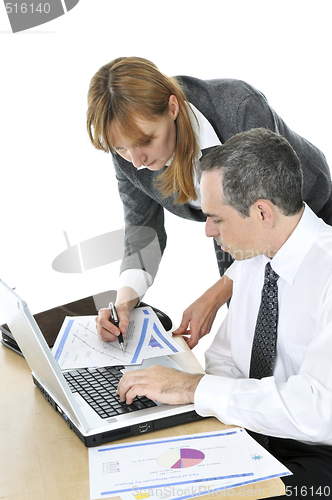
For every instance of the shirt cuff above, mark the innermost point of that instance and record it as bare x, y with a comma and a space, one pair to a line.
211, 397
137, 279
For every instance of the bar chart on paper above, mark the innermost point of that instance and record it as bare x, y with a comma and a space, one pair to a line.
180, 458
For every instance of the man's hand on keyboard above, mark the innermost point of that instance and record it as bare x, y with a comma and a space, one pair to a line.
165, 385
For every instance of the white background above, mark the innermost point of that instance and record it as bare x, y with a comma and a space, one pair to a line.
53, 180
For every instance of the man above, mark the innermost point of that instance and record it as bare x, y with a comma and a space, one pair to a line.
272, 374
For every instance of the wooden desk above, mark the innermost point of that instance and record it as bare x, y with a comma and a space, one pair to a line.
42, 459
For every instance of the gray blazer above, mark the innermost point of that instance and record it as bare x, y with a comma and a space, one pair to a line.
231, 106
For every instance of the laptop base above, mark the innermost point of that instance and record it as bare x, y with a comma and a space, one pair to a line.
122, 433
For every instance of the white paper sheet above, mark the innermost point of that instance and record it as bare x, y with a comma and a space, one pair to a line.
266, 466
168, 463
180, 467
79, 346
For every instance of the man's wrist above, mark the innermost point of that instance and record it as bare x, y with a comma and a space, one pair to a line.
192, 384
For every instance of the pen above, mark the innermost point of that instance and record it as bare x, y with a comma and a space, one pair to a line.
115, 319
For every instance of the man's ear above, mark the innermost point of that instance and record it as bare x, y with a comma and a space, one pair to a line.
264, 211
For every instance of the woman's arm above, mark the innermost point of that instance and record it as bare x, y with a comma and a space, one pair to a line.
145, 235
145, 241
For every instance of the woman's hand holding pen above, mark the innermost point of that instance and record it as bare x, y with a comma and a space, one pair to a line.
106, 330
125, 301
198, 318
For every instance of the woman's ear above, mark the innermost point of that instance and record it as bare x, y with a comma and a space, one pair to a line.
173, 106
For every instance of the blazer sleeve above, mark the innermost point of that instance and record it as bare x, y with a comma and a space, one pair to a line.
145, 235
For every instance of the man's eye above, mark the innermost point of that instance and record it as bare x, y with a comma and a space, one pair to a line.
216, 221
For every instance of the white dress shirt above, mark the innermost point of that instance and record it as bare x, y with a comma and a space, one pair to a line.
296, 402
206, 137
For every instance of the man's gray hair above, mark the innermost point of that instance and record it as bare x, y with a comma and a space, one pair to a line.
258, 164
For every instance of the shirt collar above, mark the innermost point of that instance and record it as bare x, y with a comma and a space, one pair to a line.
206, 138
203, 130
290, 256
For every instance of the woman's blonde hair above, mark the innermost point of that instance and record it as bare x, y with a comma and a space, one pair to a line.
133, 87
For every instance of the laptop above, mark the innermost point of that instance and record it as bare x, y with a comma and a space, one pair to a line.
83, 398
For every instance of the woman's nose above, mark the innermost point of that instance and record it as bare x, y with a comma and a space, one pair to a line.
137, 156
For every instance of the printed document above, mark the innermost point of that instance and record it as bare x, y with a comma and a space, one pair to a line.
79, 346
180, 467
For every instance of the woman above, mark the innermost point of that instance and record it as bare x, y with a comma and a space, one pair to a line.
157, 129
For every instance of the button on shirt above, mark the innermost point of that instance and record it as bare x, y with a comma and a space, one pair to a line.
296, 402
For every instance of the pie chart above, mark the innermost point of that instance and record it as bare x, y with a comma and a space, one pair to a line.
180, 458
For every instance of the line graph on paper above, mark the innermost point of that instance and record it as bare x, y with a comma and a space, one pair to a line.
78, 345
92, 340
94, 346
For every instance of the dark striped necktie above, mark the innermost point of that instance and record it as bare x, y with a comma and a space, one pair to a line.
265, 337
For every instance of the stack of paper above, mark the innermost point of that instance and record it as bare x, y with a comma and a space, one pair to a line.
79, 346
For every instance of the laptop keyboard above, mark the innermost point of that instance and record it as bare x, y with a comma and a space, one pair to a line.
98, 387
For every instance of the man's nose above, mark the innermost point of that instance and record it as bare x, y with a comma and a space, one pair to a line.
211, 229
